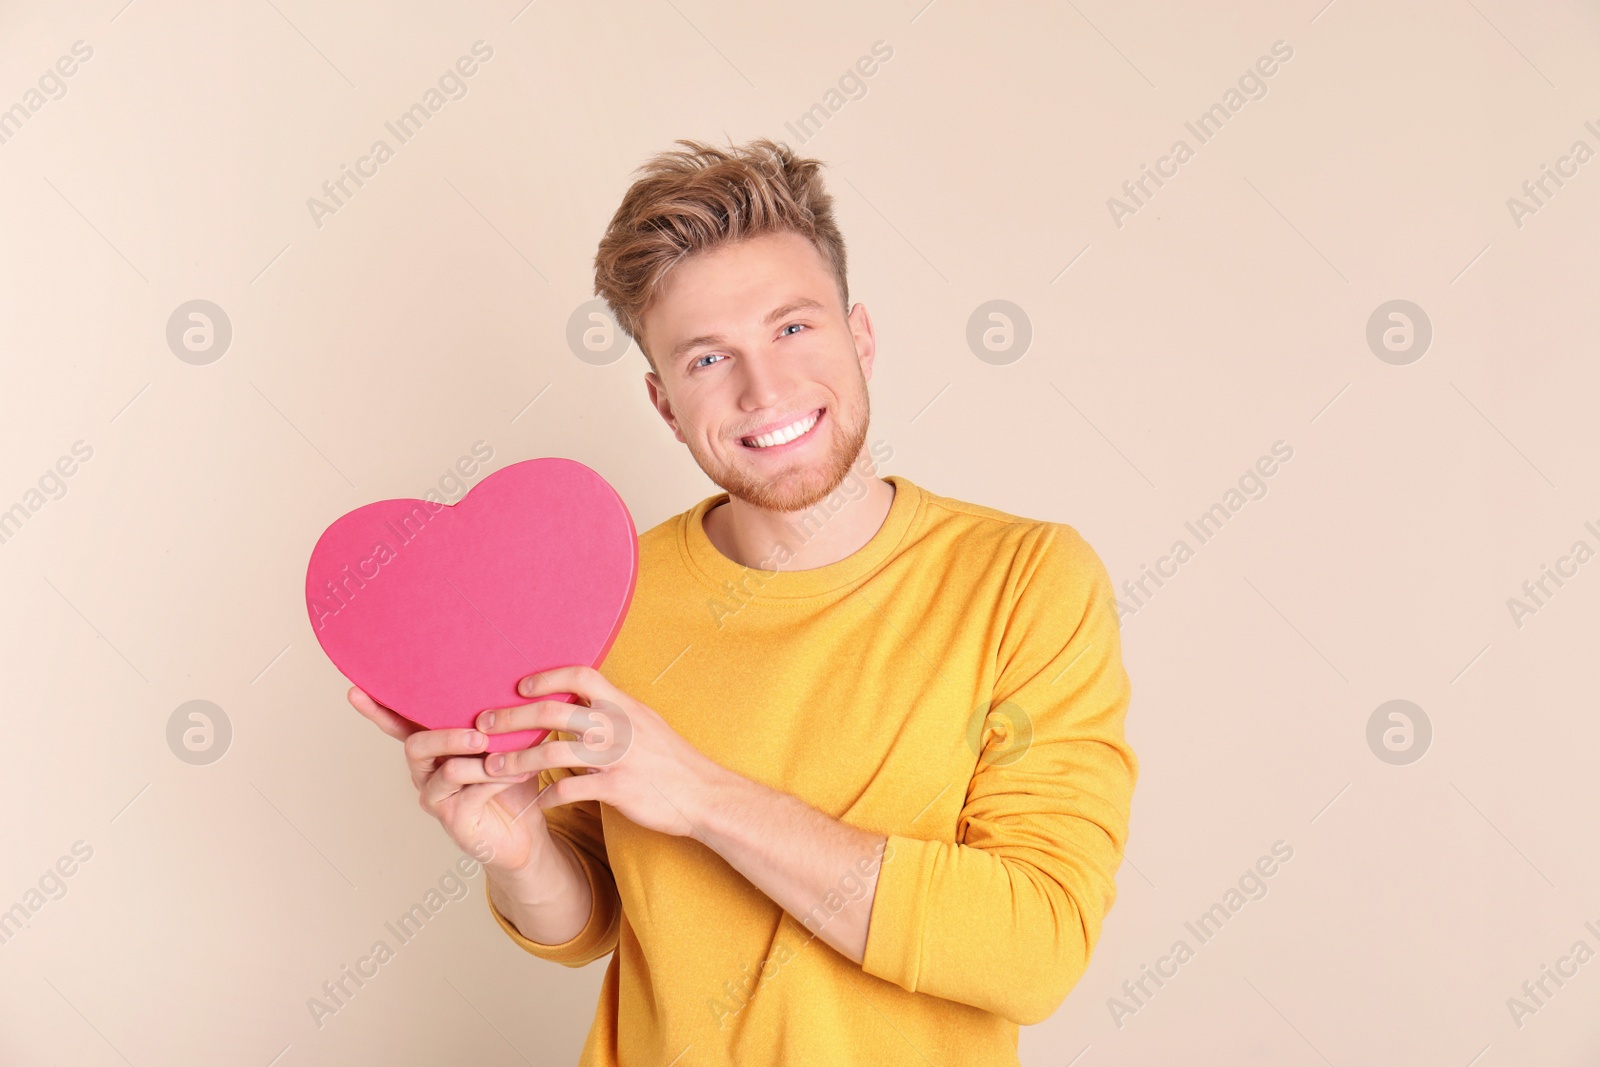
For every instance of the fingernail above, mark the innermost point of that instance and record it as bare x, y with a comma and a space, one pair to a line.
474, 739
488, 720
525, 687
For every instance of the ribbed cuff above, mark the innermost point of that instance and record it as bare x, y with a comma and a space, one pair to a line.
586, 943
894, 937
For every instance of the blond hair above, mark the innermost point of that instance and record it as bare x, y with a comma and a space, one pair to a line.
700, 199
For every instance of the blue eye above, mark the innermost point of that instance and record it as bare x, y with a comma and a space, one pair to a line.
799, 324
709, 355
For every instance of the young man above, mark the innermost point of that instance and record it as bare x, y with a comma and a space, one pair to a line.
852, 784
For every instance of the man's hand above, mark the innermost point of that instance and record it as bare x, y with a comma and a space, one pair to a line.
533, 877
491, 817
626, 754
822, 871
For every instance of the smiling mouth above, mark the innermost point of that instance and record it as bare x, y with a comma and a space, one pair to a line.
786, 434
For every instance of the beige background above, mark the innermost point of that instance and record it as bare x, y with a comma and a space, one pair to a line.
1230, 312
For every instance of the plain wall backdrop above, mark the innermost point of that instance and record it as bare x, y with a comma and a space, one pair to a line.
1145, 358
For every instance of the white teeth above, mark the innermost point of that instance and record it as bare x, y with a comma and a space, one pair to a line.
788, 433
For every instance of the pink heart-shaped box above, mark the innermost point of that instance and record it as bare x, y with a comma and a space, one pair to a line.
438, 610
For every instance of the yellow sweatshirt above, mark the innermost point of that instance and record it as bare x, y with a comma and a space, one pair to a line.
956, 684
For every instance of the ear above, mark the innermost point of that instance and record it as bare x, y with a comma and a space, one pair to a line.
659, 400
861, 333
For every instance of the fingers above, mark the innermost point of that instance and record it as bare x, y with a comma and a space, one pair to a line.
426, 748
540, 757
388, 721
570, 789
456, 775
540, 715
516, 806
580, 680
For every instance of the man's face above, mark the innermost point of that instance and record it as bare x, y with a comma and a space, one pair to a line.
751, 339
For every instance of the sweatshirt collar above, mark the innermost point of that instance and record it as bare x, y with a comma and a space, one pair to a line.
770, 579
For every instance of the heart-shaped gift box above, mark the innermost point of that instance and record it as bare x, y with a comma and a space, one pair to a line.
438, 610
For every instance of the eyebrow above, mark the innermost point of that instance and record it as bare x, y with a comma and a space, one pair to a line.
683, 348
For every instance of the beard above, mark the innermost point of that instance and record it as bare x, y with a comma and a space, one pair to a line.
802, 484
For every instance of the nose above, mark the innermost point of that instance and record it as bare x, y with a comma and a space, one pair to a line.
765, 381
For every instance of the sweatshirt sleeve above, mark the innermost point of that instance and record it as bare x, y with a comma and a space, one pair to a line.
1006, 916
579, 825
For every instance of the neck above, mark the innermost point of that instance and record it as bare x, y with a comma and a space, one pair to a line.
815, 537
